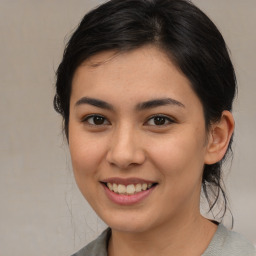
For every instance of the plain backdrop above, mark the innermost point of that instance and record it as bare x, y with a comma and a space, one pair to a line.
42, 212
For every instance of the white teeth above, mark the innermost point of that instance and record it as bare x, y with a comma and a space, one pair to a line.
131, 189
121, 189
110, 186
144, 186
138, 188
115, 188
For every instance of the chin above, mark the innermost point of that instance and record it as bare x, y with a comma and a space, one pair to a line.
129, 222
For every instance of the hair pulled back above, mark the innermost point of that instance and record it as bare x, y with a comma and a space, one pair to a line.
178, 28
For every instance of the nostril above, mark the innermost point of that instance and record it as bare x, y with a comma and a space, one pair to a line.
125, 158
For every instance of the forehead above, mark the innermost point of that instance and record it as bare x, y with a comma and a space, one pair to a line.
139, 74
144, 61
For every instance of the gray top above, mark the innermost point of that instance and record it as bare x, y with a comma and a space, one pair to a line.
224, 243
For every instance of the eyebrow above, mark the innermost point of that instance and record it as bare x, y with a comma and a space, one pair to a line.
158, 103
141, 106
94, 102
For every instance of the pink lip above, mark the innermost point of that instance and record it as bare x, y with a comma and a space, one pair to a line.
127, 199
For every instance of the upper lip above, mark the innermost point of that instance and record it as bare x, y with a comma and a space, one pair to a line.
127, 181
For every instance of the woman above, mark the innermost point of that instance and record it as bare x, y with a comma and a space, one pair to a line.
145, 89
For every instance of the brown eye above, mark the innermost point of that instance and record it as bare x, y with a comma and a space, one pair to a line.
159, 120
96, 120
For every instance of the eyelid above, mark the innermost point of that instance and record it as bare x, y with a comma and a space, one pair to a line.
168, 118
106, 122
87, 117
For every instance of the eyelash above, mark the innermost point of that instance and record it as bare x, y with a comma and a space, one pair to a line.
164, 117
87, 118
106, 122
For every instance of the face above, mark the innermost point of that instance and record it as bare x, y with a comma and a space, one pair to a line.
137, 139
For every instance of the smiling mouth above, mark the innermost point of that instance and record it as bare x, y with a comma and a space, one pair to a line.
130, 189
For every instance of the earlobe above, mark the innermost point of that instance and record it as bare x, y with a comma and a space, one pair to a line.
219, 138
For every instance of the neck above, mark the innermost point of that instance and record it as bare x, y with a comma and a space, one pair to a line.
179, 238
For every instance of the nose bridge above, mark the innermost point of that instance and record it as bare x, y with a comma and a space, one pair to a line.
125, 147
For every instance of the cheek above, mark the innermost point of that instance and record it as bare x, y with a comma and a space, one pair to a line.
86, 156
179, 155
86, 153
180, 161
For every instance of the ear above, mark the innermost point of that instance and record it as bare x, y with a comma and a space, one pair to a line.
218, 139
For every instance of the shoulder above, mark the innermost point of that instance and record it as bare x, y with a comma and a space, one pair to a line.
96, 247
226, 242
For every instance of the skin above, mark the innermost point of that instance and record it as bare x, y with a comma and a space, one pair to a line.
130, 144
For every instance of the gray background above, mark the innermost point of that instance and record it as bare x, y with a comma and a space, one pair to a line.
42, 212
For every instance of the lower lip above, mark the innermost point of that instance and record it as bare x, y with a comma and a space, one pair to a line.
127, 199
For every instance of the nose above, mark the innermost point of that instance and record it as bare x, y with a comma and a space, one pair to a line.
125, 148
